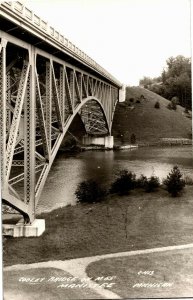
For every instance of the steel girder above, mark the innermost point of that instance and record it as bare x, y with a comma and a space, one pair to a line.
40, 95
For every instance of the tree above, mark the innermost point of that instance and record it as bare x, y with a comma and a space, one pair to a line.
174, 182
175, 81
178, 79
146, 81
124, 183
152, 184
89, 191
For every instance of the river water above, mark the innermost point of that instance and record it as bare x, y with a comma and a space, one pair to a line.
68, 170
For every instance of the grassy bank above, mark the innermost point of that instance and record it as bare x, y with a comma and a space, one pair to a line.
137, 221
138, 116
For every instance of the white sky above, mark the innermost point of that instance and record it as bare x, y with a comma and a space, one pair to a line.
129, 38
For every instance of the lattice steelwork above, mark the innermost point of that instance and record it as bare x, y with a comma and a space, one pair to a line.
40, 94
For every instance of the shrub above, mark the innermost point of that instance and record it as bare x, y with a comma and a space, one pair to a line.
174, 182
89, 191
169, 106
175, 100
133, 139
172, 104
152, 184
123, 183
157, 105
141, 181
138, 101
131, 99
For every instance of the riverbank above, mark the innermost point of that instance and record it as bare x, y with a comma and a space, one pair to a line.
137, 221
169, 142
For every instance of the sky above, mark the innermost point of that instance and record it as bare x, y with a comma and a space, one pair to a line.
129, 38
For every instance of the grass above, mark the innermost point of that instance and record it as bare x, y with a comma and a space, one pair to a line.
137, 221
145, 121
171, 267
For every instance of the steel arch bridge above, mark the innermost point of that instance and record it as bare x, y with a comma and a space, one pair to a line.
45, 81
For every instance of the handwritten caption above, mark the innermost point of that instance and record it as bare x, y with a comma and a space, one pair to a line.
73, 282
148, 273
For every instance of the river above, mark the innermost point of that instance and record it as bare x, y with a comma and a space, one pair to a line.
68, 170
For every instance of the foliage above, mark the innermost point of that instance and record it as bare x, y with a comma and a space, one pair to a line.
175, 81
133, 139
174, 182
131, 99
123, 183
157, 104
148, 184
175, 100
142, 97
141, 182
172, 104
169, 106
89, 191
152, 184
147, 81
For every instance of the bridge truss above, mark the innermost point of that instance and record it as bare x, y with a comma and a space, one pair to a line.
40, 94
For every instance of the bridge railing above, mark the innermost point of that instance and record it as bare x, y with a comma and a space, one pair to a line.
21, 10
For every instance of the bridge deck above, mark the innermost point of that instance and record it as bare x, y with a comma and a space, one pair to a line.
21, 22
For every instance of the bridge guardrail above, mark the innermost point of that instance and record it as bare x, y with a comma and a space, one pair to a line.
26, 13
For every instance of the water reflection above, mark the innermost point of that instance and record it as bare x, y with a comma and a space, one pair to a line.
67, 171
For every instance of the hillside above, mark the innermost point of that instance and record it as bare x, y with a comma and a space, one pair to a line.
138, 116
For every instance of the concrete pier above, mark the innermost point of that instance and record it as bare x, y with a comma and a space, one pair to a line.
106, 141
20, 230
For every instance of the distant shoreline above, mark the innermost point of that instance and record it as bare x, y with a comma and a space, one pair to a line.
163, 143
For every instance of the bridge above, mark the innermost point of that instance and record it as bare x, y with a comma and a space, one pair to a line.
45, 80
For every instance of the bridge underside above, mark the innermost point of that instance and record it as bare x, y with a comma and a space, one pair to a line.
40, 95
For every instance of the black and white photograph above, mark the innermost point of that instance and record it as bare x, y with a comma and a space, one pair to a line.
96, 153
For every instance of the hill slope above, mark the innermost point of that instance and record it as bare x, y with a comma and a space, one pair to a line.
137, 115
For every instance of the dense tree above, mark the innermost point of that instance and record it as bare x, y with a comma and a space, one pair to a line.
146, 81
174, 182
175, 81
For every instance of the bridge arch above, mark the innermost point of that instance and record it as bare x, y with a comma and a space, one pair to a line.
41, 91
103, 128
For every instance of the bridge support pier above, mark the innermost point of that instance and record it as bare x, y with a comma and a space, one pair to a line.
106, 141
21, 230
